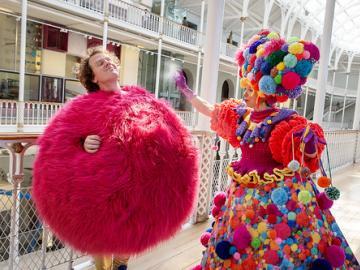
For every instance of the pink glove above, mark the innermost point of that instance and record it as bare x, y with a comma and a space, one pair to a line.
182, 86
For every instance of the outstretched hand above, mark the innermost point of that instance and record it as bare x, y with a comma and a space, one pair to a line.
181, 84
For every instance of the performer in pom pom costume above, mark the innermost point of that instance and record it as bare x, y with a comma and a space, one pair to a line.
274, 216
116, 171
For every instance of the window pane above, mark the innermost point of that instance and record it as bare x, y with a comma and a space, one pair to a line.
73, 89
9, 85
51, 89
9, 26
32, 85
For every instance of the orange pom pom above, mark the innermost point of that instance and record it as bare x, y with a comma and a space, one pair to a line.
324, 181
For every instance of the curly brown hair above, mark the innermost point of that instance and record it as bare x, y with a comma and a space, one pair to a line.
86, 74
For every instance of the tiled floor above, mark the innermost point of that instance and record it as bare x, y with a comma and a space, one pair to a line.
184, 250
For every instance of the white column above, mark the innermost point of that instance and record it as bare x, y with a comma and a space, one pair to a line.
306, 100
356, 123
332, 95
198, 67
324, 60
20, 105
106, 24
243, 18
344, 103
158, 64
210, 72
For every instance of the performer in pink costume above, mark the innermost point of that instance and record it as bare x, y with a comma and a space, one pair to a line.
273, 216
133, 191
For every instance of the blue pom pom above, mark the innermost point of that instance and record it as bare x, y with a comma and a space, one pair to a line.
209, 230
265, 68
279, 196
246, 53
303, 68
223, 250
290, 60
267, 85
258, 63
321, 264
232, 250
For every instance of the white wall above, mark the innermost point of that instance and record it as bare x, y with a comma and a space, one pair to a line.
129, 66
53, 63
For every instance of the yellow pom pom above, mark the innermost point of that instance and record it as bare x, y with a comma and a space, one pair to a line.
280, 66
244, 82
269, 121
273, 35
260, 52
296, 48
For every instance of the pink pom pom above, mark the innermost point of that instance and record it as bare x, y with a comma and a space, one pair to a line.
306, 54
303, 80
313, 50
215, 211
236, 256
335, 255
282, 230
220, 199
239, 57
242, 237
204, 239
198, 267
323, 201
290, 80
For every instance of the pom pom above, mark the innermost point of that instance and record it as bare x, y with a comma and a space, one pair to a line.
244, 82
265, 68
304, 196
260, 52
290, 80
321, 264
281, 98
305, 172
220, 199
323, 201
303, 80
253, 47
273, 35
333, 193
293, 39
283, 231
255, 243
223, 250
239, 57
306, 54
232, 250
324, 181
237, 256
275, 58
296, 48
313, 50
290, 60
280, 66
215, 211
279, 196
271, 257
242, 237
273, 72
258, 62
285, 47
204, 239
294, 165
303, 68
267, 85
278, 79
335, 255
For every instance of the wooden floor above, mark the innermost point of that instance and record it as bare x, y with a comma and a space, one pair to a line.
184, 250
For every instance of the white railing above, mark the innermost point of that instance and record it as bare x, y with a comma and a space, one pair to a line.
180, 32
39, 113
89, 5
8, 112
335, 125
39, 249
133, 15
228, 50
187, 117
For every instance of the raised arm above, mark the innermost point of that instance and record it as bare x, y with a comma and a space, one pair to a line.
201, 105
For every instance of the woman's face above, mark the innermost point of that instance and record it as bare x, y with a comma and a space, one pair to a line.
250, 97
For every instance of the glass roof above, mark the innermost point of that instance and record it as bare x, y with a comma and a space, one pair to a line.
346, 27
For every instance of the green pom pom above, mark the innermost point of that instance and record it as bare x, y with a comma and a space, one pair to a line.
290, 60
255, 243
304, 196
293, 39
278, 78
275, 58
273, 35
333, 193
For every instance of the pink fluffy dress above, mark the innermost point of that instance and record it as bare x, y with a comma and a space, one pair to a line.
135, 191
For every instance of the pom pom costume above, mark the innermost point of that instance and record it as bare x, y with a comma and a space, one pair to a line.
274, 216
136, 190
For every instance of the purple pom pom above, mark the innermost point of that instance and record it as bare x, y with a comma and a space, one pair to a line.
323, 201
321, 264
242, 237
313, 50
335, 255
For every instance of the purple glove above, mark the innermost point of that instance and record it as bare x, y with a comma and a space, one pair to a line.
310, 139
182, 86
